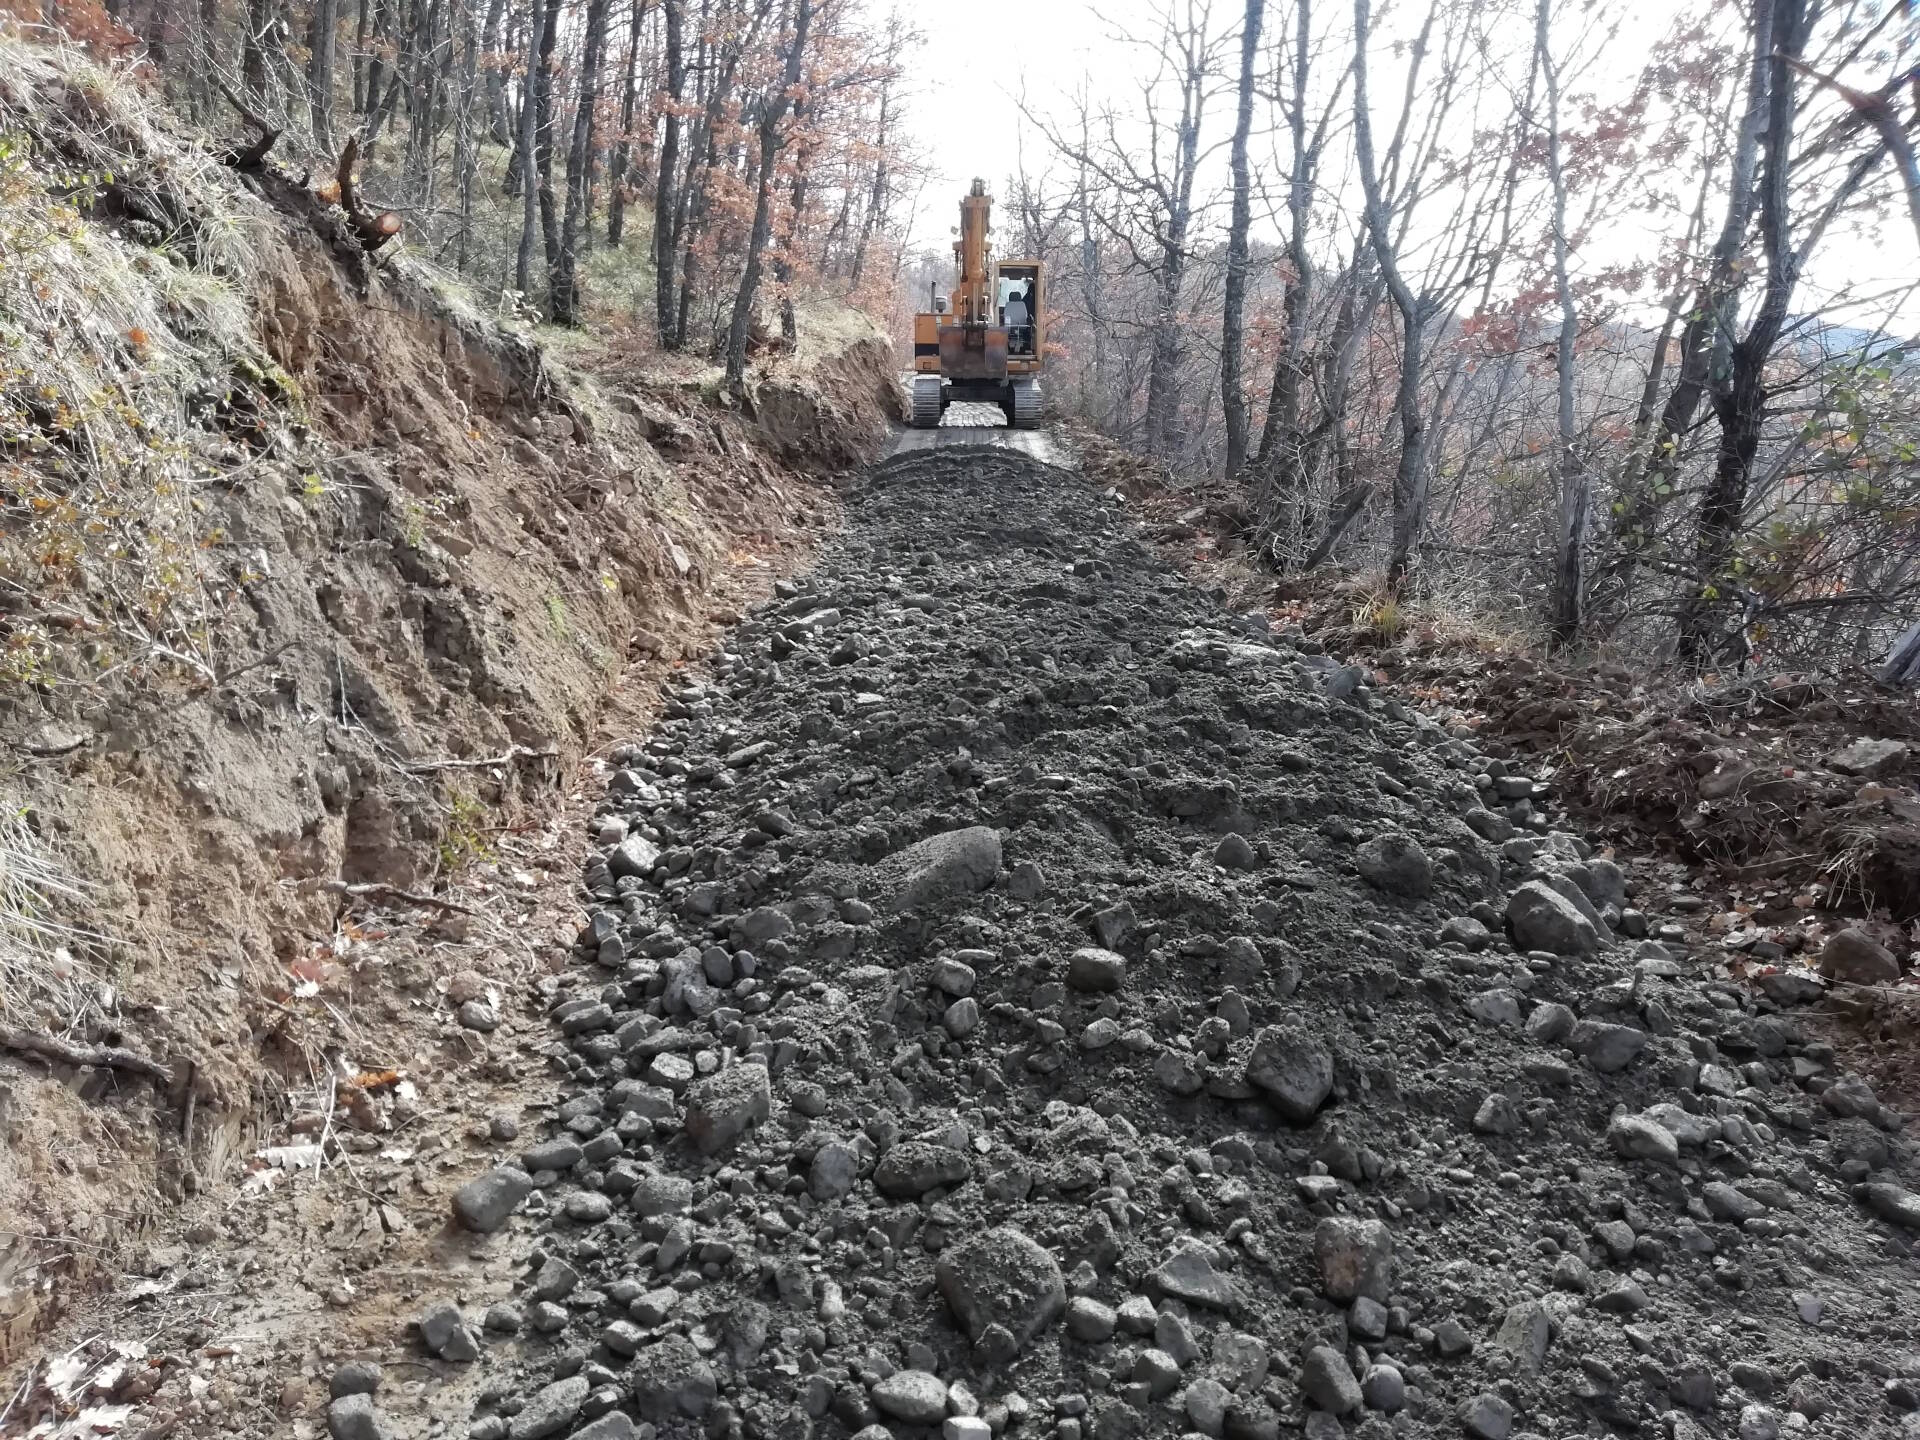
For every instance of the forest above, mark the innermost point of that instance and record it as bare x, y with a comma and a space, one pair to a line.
665, 167
1594, 322
1590, 323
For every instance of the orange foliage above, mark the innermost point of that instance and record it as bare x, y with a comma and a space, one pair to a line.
84, 21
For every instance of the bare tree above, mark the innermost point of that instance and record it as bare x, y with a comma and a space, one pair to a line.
1233, 398
773, 109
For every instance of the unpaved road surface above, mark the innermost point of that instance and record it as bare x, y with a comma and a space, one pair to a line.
1020, 997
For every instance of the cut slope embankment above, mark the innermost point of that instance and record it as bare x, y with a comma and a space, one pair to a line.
318, 582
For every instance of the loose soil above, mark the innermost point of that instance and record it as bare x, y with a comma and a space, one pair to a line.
1022, 995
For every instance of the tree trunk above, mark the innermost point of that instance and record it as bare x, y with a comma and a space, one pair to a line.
1740, 399
1282, 482
664, 201
1410, 473
322, 24
497, 128
1163, 366
466, 141
543, 140
563, 299
877, 192
1708, 332
1569, 540
629, 102
529, 121
253, 55
789, 247
772, 110
1233, 400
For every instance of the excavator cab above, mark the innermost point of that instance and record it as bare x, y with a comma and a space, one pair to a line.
986, 342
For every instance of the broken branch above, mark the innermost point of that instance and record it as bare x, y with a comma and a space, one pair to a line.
252, 155
516, 752
110, 1057
373, 230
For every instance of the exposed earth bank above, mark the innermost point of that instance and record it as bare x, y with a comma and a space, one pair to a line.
1022, 997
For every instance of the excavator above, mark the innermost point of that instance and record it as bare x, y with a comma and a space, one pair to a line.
984, 342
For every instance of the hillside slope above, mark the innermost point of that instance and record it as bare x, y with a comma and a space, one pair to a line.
313, 578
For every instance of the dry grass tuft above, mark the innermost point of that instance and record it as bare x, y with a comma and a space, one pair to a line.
129, 376
44, 970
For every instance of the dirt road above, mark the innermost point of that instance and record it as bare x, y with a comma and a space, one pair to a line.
1019, 997
1022, 997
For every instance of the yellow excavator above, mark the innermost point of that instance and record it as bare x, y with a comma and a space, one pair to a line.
983, 342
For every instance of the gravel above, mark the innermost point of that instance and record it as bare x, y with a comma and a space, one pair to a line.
1044, 1006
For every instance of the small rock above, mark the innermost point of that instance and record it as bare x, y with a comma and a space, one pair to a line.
1355, 1258
724, 1105
551, 1410
1868, 757
1235, 853
1383, 1388
1893, 1204
1549, 1023
1854, 956
671, 1380
446, 1335
834, 1171
943, 865
352, 1417
912, 1167
914, 1396
1206, 1401
1328, 1381
1001, 1278
1188, 1275
1485, 1417
1607, 1048
1089, 1321
1292, 1069
1396, 864
1096, 971
635, 855
1524, 1333
1638, 1138
1541, 918
356, 1377
483, 1205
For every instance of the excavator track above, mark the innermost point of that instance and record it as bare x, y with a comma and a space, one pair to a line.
1028, 406
926, 402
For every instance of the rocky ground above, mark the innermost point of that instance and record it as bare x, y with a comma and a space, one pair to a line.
1021, 996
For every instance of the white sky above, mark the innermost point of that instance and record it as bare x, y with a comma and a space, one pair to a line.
981, 55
